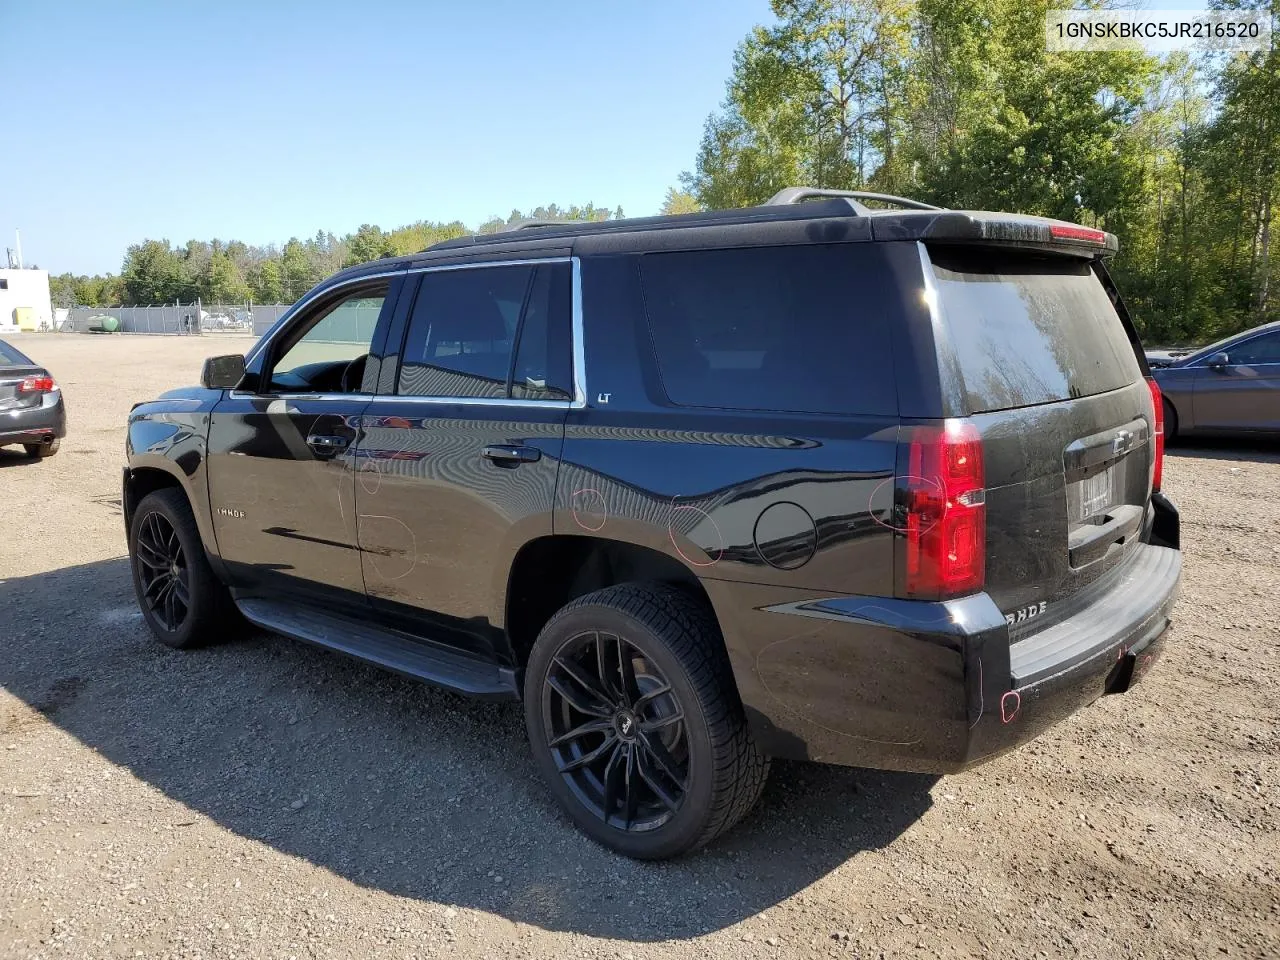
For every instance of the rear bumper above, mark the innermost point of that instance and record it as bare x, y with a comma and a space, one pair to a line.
35, 424
935, 687
1104, 649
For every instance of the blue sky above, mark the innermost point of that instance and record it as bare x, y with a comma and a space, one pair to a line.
265, 120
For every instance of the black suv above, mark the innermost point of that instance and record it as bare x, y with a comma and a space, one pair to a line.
811, 480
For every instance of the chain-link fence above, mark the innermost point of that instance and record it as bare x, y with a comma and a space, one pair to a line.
190, 319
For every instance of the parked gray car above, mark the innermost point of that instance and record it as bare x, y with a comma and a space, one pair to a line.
1228, 387
31, 408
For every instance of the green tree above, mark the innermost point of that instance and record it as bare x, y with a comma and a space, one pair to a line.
152, 273
221, 281
298, 271
679, 201
62, 290
1242, 163
367, 243
1050, 135
817, 98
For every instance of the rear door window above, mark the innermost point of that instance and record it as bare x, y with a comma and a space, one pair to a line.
462, 330
465, 326
1029, 330
789, 328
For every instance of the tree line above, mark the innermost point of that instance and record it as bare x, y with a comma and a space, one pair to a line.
957, 102
231, 272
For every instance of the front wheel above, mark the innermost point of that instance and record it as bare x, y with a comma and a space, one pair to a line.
181, 600
636, 724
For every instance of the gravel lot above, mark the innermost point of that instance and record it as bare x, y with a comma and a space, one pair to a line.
266, 799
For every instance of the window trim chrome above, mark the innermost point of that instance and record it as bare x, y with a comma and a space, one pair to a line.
579, 343
305, 302
240, 395
534, 404
578, 402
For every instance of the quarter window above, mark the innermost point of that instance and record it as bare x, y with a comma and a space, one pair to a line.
795, 328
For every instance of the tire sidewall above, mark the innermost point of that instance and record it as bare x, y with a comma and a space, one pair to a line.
161, 504
688, 823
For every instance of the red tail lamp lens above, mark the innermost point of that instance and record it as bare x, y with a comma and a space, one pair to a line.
943, 510
1157, 418
36, 385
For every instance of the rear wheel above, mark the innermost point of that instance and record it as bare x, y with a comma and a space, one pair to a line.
182, 601
636, 724
42, 450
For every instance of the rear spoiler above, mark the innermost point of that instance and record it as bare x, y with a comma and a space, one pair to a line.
965, 226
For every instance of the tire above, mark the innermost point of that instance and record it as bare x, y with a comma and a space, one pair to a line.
42, 450
687, 705
207, 613
1170, 422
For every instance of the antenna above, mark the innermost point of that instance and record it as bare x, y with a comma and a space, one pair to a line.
18, 239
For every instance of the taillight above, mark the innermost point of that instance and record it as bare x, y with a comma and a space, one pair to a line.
1157, 418
1063, 231
940, 511
36, 385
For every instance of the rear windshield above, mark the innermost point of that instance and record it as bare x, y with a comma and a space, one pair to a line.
1030, 330
794, 328
9, 355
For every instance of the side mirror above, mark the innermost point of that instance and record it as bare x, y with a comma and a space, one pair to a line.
1219, 360
222, 373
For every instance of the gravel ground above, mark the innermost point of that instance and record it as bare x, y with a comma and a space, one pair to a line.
266, 799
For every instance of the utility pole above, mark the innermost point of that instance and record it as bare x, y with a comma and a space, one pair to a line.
17, 236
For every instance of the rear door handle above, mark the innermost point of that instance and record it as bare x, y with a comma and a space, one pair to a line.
327, 446
511, 455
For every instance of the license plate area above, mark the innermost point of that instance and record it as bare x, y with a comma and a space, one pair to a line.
1091, 498
1106, 481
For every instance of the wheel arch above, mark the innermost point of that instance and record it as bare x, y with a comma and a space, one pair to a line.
550, 571
141, 481
154, 473
1172, 417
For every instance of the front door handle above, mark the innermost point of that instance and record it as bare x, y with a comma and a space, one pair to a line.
511, 454
327, 446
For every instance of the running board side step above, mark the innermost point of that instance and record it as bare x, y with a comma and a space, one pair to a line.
420, 659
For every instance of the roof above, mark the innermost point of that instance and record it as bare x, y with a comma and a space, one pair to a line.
798, 214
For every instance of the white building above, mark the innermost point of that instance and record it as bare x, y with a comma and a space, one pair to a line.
24, 300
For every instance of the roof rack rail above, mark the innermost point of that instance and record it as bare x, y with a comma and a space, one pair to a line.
525, 224
798, 194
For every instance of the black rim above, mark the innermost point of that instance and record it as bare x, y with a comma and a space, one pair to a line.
162, 570
616, 731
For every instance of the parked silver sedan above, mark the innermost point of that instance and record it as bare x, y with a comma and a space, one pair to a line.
1228, 387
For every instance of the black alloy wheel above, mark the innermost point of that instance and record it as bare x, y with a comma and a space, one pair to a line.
183, 603
635, 721
163, 573
616, 731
